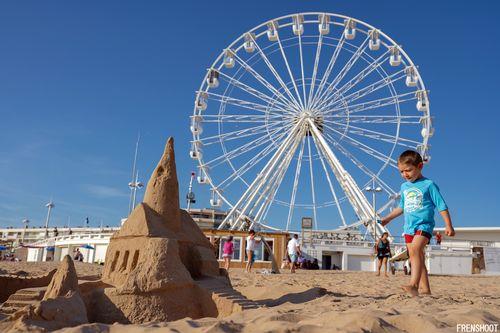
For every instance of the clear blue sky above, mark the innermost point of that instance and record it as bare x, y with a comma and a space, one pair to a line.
78, 80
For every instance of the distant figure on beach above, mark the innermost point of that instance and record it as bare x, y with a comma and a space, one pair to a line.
227, 252
56, 232
439, 238
383, 252
286, 262
420, 196
250, 248
78, 255
294, 252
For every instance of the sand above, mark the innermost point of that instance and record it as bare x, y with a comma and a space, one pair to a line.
331, 301
334, 301
85, 271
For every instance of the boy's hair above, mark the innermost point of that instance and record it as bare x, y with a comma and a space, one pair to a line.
251, 232
230, 238
410, 157
296, 236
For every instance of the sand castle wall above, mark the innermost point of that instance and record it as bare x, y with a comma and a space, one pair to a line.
12, 283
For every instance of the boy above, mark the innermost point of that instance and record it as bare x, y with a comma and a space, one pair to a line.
419, 197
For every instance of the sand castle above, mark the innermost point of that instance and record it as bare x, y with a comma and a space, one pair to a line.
153, 261
159, 267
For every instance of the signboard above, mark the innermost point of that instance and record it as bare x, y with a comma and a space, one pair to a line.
492, 259
307, 223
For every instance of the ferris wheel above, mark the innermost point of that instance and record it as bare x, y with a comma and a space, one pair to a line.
299, 115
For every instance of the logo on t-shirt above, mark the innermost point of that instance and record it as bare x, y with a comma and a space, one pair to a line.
413, 199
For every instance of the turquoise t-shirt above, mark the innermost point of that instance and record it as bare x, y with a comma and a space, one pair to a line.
418, 201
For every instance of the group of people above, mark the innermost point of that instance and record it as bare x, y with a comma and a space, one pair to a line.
420, 197
228, 251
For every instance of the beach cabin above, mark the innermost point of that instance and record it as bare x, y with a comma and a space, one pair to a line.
277, 242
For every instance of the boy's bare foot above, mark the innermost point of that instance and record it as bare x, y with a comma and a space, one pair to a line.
411, 290
386, 275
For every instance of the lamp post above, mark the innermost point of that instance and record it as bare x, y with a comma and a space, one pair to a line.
190, 197
25, 222
49, 206
374, 190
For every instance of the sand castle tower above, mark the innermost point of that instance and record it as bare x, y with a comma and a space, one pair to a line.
152, 262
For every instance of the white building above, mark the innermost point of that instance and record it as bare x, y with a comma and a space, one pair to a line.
484, 242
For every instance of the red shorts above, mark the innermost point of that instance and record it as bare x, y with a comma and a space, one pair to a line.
409, 238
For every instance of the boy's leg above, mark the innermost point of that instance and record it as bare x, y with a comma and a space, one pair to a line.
416, 248
424, 285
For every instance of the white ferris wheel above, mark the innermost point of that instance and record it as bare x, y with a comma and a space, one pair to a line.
299, 115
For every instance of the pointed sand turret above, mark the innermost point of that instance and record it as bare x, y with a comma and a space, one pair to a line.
162, 191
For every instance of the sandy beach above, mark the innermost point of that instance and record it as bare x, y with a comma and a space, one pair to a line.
335, 301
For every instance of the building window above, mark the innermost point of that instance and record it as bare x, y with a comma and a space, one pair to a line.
260, 253
236, 247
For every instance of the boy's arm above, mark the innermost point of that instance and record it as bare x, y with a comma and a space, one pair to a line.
391, 216
449, 231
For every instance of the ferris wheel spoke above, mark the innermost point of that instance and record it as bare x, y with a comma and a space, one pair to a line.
375, 134
238, 118
242, 133
374, 104
241, 103
254, 160
271, 188
302, 71
384, 82
315, 69
342, 73
295, 185
255, 92
376, 63
313, 192
277, 76
293, 105
328, 70
375, 119
283, 54
237, 174
247, 199
361, 146
364, 168
332, 190
247, 147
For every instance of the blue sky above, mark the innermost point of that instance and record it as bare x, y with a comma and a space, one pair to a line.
78, 81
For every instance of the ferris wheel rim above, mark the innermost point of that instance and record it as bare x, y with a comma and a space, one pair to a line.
239, 39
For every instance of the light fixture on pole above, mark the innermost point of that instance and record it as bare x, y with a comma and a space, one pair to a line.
49, 206
374, 190
190, 197
25, 222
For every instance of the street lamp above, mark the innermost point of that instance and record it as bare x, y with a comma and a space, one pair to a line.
25, 222
49, 206
374, 190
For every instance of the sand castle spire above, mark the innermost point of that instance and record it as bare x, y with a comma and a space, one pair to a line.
64, 281
162, 191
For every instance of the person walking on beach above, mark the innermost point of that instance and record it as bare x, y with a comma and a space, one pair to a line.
439, 238
420, 196
294, 252
250, 248
383, 252
227, 252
